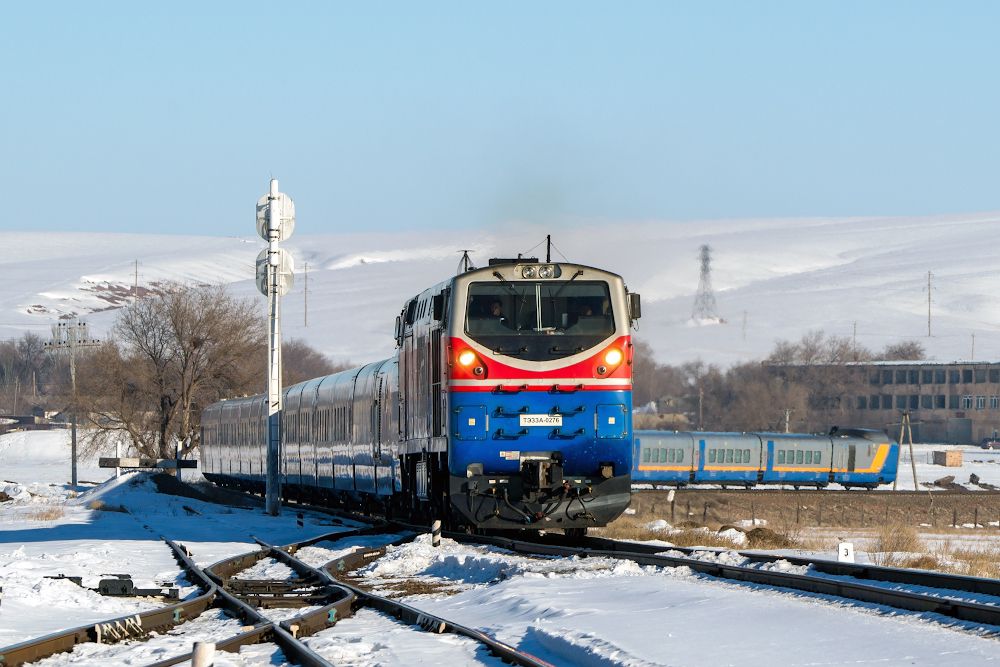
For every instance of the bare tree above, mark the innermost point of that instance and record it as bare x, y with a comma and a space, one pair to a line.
907, 350
300, 362
171, 354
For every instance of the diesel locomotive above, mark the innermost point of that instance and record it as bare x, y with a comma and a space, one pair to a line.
507, 405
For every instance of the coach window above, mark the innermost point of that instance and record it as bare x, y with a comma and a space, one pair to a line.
926, 376
798, 456
818, 458
672, 456
729, 456
663, 455
746, 456
646, 454
680, 456
711, 456
781, 456
809, 457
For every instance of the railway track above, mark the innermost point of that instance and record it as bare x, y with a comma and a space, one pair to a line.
321, 590
928, 592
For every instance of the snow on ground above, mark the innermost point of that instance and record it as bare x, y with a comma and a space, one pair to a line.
624, 614
984, 463
49, 529
568, 611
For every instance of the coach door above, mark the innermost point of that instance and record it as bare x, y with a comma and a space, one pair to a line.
852, 455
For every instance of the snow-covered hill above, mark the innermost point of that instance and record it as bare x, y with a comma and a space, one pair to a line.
774, 279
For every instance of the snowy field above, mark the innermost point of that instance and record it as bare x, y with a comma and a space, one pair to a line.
567, 611
774, 279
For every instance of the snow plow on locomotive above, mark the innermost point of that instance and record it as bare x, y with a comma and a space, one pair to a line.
507, 405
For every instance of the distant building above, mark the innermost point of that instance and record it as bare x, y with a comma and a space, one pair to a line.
954, 402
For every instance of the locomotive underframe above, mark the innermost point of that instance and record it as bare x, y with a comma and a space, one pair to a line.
503, 502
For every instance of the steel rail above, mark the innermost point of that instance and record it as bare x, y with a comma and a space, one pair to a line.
294, 650
113, 630
963, 610
396, 609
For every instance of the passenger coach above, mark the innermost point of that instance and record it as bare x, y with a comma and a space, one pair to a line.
850, 457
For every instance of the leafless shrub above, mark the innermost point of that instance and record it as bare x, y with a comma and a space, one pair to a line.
892, 543
101, 506
46, 514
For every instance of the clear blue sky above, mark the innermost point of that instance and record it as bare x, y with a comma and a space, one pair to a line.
171, 116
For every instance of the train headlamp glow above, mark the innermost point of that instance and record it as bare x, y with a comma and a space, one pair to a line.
613, 357
528, 272
467, 358
545, 271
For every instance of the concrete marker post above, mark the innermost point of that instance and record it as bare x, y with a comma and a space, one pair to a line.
436, 533
203, 655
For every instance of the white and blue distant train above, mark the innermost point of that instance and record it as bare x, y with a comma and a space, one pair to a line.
849, 457
508, 404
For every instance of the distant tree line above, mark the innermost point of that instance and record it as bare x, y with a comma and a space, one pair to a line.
806, 382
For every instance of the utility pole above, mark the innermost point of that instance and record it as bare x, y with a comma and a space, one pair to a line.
70, 336
972, 357
905, 428
854, 338
275, 222
135, 285
744, 326
928, 304
788, 418
548, 248
701, 405
305, 294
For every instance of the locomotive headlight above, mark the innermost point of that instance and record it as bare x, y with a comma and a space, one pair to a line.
528, 272
545, 271
467, 358
613, 357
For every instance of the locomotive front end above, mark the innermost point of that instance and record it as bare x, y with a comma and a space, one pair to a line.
540, 401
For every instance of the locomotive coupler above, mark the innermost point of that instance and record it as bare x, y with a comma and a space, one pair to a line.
541, 471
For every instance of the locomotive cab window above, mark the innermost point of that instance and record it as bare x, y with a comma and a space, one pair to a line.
539, 320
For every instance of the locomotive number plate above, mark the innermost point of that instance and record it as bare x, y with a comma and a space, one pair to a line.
541, 420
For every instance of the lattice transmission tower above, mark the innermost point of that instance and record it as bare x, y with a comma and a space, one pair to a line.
704, 303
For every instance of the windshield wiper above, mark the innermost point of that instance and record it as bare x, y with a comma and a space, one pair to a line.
506, 283
563, 286
510, 353
555, 349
